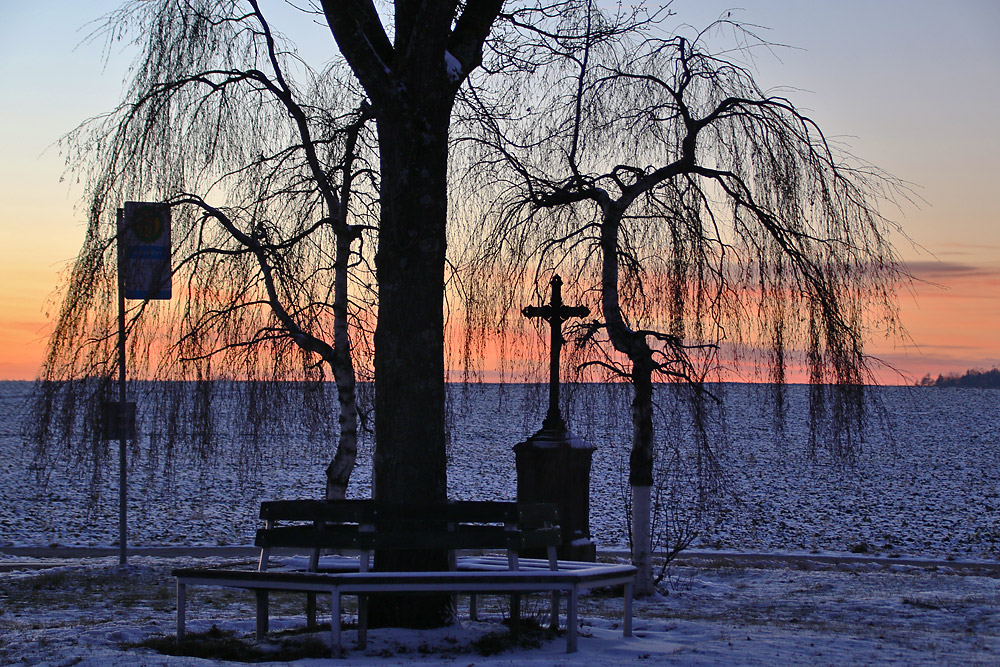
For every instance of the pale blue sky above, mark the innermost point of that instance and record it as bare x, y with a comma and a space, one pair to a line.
912, 86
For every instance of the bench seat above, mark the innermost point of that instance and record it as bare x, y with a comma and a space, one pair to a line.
475, 575
363, 527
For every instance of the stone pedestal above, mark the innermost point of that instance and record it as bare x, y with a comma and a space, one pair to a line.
553, 466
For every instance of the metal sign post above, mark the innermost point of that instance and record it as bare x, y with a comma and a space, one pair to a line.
122, 467
143, 273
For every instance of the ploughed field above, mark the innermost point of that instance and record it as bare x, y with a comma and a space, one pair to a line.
925, 483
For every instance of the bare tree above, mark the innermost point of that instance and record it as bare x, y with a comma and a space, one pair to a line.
696, 210
271, 183
706, 217
274, 176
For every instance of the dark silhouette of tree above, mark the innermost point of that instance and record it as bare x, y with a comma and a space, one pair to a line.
412, 80
698, 215
703, 215
273, 170
271, 182
975, 379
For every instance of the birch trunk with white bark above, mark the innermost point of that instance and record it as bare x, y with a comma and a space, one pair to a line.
633, 344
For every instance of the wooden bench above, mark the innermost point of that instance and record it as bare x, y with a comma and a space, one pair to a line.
451, 527
364, 527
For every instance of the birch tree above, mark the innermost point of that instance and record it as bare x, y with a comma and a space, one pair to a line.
277, 174
273, 192
713, 223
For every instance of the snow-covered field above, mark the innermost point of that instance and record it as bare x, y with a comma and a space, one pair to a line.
931, 493
932, 490
90, 613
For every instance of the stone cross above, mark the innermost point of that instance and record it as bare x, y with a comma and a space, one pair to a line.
555, 313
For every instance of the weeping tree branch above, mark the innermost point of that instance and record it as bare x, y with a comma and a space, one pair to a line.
713, 217
213, 116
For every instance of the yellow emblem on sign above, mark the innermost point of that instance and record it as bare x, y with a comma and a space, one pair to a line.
147, 223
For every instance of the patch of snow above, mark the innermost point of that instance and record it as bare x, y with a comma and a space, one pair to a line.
85, 614
929, 493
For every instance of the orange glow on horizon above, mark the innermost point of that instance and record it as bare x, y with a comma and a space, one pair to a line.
953, 321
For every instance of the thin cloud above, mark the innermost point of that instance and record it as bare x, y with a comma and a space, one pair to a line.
931, 270
965, 248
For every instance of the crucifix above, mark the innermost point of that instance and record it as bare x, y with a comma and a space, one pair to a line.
555, 313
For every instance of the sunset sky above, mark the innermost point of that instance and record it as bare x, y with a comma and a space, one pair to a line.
912, 86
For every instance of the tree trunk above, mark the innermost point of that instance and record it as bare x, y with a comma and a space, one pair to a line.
641, 475
409, 336
412, 80
641, 540
634, 346
410, 464
338, 473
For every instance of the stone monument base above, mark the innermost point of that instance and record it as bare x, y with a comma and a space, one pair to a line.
553, 466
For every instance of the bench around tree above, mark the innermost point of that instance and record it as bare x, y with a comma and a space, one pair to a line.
362, 526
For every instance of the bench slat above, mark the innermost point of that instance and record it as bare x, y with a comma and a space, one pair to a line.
354, 511
470, 537
310, 537
461, 511
348, 537
470, 525
365, 511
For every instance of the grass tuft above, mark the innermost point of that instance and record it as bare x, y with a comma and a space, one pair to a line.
530, 635
286, 646
216, 644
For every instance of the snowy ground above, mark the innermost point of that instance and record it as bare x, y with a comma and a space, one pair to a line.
793, 612
891, 560
931, 490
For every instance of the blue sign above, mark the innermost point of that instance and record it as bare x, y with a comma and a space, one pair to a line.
144, 250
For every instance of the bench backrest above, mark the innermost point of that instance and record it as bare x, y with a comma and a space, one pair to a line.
365, 526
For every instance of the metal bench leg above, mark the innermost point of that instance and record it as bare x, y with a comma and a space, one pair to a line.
473, 607
335, 623
181, 604
515, 614
571, 620
262, 614
362, 622
311, 610
627, 625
